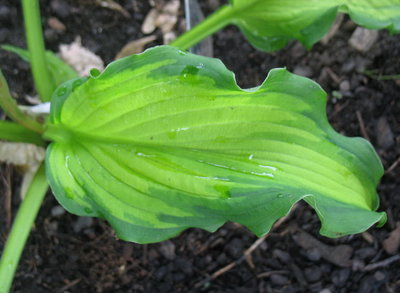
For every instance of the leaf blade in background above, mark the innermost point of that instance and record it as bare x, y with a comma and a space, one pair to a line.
59, 70
165, 140
270, 24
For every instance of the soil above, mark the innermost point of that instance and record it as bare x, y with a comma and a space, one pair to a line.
66, 253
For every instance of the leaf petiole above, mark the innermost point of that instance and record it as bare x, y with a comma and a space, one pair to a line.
8, 104
207, 27
14, 132
21, 228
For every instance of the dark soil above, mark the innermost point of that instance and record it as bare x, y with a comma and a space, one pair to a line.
66, 253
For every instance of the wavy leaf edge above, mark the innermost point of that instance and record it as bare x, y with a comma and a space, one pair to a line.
312, 33
124, 229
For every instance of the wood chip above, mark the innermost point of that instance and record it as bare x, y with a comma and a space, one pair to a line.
80, 58
382, 264
334, 28
338, 255
164, 17
368, 237
384, 134
363, 39
149, 23
392, 243
56, 24
112, 5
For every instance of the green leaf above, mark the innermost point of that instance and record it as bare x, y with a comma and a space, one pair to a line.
165, 140
270, 24
10, 107
59, 70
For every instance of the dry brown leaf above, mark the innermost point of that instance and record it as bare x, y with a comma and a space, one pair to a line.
56, 24
164, 18
149, 23
135, 47
24, 155
169, 37
168, 16
80, 58
20, 154
110, 4
392, 243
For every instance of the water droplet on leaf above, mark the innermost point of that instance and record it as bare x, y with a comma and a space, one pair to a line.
69, 194
223, 191
94, 72
88, 210
62, 91
76, 83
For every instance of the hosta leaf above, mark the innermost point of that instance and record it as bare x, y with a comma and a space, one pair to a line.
59, 70
163, 141
270, 24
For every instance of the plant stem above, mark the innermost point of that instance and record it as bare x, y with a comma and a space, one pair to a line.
34, 37
207, 27
10, 107
14, 132
20, 230
376, 76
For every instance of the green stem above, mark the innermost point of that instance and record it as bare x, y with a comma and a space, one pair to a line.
34, 37
23, 222
14, 132
10, 107
376, 76
213, 23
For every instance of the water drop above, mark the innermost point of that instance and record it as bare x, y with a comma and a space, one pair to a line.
88, 210
268, 167
76, 83
69, 194
262, 174
144, 155
223, 191
62, 91
280, 195
94, 72
189, 70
